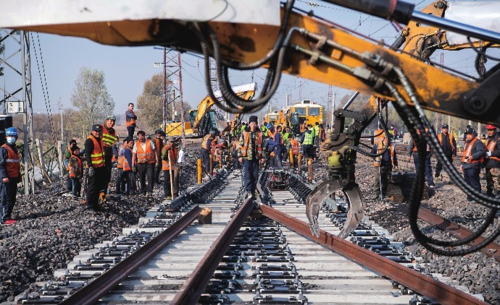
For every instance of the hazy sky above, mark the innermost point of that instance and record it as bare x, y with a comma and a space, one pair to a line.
126, 68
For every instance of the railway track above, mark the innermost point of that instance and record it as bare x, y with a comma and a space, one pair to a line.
235, 259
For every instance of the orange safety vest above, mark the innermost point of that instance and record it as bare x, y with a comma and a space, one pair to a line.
468, 152
246, 140
121, 156
205, 141
451, 140
145, 156
13, 163
302, 128
125, 164
109, 139
295, 146
129, 121
379, 150
490, 145
97, 155
75, 172
173, 159
378, 136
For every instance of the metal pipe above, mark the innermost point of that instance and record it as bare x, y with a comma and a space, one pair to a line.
200, 170
349, 102
454, 26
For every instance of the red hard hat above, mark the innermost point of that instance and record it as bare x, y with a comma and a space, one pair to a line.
490, 127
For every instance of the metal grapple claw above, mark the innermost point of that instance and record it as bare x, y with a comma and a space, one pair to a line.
315, 199
321, 192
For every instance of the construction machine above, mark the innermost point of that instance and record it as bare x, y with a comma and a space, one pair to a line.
203, 119
297, 42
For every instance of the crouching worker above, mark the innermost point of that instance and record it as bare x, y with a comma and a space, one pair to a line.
75, 166
169, 156
385, 164
10, 175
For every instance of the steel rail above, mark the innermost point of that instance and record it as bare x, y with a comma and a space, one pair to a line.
492, 250
412, 279
92, 292
192, 289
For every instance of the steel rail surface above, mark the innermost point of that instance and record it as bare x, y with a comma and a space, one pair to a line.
192, 289
91, 293
412, 279
454, 229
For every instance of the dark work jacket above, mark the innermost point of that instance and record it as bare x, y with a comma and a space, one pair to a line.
448, 150
491, 162
478, 151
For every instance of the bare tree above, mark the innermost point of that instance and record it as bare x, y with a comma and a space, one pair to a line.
149, 104
91, 98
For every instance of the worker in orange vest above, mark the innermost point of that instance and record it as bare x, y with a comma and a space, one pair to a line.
96, 163
249, 155
75, 166
472, 158
10, 174
293, 150
385, 163
492, 161
158, 147
206, 147
130, 120
169, 167
144, 160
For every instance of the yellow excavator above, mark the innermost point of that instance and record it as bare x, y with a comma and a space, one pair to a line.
297, 42
203, 119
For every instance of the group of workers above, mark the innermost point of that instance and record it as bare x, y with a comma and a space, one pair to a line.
251, 145
476, 155
143, 159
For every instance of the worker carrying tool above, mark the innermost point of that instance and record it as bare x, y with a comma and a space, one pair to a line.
96, 164
10, 174
169, 155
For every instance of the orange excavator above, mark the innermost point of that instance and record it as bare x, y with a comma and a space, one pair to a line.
289, 40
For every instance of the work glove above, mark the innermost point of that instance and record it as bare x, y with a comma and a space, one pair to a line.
91, 172
488, 154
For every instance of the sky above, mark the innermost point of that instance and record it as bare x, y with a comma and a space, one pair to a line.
127, 68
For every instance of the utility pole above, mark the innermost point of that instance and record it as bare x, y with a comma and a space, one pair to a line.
182, 99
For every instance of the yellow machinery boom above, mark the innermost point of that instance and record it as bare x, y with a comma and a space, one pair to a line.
319, 50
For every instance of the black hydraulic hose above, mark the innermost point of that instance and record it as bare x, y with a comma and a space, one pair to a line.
387, 9
411, 119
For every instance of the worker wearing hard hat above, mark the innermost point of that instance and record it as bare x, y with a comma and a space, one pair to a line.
492, 161
10, 174
473, 156
109, 138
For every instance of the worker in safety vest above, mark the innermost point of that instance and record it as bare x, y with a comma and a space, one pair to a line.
428, 169
307, 141
75, 167
169, 155
96, 163
128, 176
120, 178
144, 160
385, 163
449, 146
293, 149
130, 120
249, 155
378, 135
206, 147
492, 161
109, 138
10, 174
67, 156
472, 157
275, 144
158, 145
